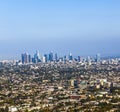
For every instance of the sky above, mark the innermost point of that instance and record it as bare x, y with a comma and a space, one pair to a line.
83, 27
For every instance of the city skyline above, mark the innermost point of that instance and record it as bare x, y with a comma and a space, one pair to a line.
81, 27
59, 54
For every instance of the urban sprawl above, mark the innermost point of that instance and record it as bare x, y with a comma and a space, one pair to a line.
51, 83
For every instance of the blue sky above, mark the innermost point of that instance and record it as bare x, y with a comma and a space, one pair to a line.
83, 27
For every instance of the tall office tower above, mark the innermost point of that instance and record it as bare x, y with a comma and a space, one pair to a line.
43, 59
79, 58
88, 59
97, 59
70, 57
65, 59
37, 54
37, 57
51, 56
25, 58
56, 57
46, 57
29, 58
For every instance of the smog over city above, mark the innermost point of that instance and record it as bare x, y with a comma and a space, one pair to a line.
59, 56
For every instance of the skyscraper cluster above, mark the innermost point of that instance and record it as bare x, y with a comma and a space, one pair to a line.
53, 57
27, 58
